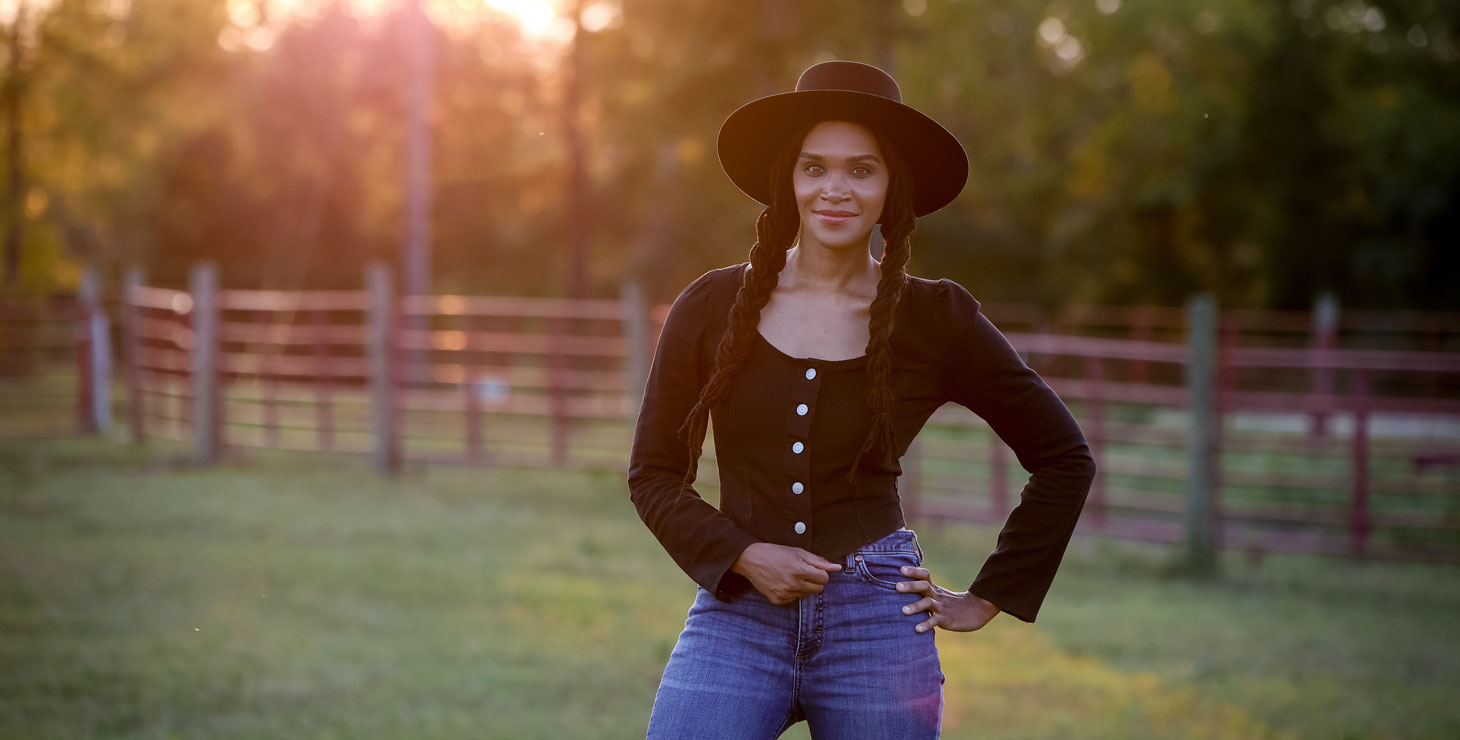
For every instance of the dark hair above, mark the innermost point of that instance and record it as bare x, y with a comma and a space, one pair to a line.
775, 230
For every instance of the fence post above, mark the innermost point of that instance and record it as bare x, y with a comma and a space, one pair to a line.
1359, 521
1201, 330
85, 356
1325, 338
132, 333
323, 380
636, 341
557, 394
101, 352
472, 326
203, 283
382, 334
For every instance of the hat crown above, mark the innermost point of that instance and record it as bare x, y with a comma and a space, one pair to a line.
751, 138
853, 76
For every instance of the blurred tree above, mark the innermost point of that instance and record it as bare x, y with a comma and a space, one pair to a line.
97, 90
1135, 151
14, 207
1122, 151
1357, 142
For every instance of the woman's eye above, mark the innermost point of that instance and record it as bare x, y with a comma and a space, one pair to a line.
813, 169
862, 171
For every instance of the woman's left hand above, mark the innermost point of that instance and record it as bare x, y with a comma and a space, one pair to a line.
959, 611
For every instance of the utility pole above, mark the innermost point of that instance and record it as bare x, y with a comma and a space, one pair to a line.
577, 169
416, 259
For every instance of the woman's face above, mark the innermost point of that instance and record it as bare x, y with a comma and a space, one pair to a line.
840, 181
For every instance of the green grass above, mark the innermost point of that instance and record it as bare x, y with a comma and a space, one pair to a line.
283, 596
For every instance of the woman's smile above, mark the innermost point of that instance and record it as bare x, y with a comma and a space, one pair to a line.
840, 183
835, 217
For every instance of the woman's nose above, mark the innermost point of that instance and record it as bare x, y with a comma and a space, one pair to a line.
834, 187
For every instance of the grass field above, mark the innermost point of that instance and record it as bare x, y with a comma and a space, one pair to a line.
283, 596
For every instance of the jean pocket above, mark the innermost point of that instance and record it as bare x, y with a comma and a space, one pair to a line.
885, 568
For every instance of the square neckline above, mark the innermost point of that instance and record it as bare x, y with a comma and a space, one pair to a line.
850, 361
859, 359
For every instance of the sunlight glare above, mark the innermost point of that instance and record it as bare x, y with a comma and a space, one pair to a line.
33, 8
370, 8
535, 16
601, 15
544, 21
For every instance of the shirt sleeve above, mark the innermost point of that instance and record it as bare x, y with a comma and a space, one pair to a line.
701, 540
985, 374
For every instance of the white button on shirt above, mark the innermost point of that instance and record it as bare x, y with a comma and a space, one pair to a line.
796, 448
810, 373
797, 487
800, 527
801, 410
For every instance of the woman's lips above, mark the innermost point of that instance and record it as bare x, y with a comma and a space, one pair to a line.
834, 217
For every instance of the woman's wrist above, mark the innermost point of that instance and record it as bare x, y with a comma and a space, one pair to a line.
740, 560
985, 603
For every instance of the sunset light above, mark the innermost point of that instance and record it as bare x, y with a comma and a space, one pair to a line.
257, 25
544, 20
535, 16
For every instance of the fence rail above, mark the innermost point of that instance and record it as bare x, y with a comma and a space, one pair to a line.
1291, 431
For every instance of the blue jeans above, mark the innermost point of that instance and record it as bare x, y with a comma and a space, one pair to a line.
847, 660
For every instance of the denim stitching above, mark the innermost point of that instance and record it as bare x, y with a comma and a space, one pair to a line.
898, 541
866, 574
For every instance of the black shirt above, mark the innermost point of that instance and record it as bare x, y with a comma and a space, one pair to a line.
787, 433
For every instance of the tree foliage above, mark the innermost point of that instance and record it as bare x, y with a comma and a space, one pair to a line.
1123, 151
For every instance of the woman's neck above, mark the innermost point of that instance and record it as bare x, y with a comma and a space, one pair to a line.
819, 269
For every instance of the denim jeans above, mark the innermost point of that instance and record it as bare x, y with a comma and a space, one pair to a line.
847, 660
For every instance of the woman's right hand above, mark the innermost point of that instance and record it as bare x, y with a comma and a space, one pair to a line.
783, 574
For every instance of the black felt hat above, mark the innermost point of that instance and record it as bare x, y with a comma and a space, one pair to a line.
843, 91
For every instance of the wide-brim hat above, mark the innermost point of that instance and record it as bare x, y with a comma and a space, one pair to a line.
843, 91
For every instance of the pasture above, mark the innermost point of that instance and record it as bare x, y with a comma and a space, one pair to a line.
283, 595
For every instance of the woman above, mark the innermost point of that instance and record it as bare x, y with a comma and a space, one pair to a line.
817, 365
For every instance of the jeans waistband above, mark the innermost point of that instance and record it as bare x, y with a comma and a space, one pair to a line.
901, 540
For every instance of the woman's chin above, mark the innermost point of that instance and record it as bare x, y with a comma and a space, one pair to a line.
844, 240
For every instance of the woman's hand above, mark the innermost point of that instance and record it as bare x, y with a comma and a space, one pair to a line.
959, 611
783, 573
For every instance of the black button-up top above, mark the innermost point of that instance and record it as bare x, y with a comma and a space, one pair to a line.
787, 434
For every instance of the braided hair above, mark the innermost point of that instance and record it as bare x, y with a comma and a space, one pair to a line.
776, 230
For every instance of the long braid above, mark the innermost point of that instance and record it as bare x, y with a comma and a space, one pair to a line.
898, 224
775, 230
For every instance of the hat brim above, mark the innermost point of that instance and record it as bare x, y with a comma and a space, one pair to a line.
752, 135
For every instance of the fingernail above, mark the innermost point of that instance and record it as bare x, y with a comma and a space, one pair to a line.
907, 610
904, 569
919, 628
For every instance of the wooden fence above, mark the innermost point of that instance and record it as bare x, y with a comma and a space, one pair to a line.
1314, 449
1305, 432
55, 364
